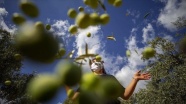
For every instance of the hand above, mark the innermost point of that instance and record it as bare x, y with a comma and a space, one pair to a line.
141, 76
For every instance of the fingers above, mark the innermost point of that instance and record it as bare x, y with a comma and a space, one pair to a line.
147, 76
146, 73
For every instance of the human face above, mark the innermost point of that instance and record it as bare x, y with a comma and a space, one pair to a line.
97, 67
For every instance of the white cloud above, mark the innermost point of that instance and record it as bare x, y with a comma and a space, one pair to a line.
10, 28
92, 42
171, 12
120, 59
148, 33
112, 63
48, 20
134, 13
134, 21
168, 37
60, 27
134, 61
133, 32
3, 11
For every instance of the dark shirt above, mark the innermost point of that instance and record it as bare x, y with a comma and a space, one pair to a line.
111, 101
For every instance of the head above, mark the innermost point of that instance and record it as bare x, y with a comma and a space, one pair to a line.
97, 67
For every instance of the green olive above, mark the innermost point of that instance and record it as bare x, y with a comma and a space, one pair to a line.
148, 52
83, 20
72, 13
39, 25
111, 2
36, 44
43, 87
73, 29
18, 19
8, 82
48, 27
69, 73
29, 8
88, 34
81, 9
105, 18
95, 19
18, 57
62, 52
117, 3
98, 58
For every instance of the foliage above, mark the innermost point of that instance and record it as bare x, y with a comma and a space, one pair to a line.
10, 70
7, 62
180, 22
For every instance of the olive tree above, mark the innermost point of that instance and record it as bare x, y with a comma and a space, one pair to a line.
12, 81
167, 84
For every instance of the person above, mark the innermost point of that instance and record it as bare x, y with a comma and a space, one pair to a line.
98, 69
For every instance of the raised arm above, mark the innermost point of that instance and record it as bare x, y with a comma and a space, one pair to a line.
130, 88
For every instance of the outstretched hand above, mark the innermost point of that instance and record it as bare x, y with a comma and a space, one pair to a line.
141, 76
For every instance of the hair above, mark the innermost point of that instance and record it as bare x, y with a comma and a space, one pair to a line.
104, 72
90, 63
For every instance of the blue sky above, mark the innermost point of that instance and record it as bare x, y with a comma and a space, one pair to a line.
131, 32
